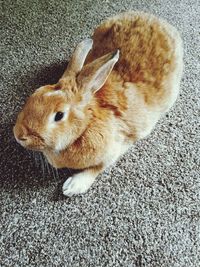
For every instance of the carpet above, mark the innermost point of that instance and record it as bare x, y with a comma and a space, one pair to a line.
144, 210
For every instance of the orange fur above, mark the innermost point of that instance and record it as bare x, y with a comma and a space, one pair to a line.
146, 50
142, 86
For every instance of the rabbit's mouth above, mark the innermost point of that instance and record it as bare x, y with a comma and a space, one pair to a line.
37, 147
31, 141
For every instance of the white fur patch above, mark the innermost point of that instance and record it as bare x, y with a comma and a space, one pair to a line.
52, 124
58, 92
61, 142
116, 145
39, 89
78, 183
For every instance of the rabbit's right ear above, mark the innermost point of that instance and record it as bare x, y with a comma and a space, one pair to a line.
93, 75
78, 58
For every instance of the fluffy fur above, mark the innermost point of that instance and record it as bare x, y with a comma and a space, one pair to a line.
107, 106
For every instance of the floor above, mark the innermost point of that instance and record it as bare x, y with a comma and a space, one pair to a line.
145, 210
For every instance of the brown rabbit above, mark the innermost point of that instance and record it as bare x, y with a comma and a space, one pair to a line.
106, 100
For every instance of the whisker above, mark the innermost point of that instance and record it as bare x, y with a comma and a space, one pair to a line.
42, 165
36, 159
57, 174
47, 166
50, 169
69, 171
54, 177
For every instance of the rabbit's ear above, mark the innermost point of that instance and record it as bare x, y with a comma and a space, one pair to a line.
78, 58
94, 75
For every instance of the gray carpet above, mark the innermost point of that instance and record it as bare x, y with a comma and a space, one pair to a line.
145, 210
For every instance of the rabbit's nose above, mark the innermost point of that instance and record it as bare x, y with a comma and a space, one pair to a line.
20, 133
22, 138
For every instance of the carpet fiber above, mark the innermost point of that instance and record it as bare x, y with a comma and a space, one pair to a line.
145, 210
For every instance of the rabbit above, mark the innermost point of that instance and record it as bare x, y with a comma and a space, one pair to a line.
116, 87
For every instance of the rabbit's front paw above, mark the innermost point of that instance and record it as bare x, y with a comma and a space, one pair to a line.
78, 184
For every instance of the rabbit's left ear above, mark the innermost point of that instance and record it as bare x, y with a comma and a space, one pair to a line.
93, 75
78, 58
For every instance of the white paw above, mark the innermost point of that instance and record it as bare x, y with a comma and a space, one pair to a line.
77, 184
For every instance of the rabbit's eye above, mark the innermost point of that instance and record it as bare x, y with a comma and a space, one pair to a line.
59, 115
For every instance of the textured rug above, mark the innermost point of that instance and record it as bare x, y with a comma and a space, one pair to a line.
145, 210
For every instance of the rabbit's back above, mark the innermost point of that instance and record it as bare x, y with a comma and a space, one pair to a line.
145, 81
148, 48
